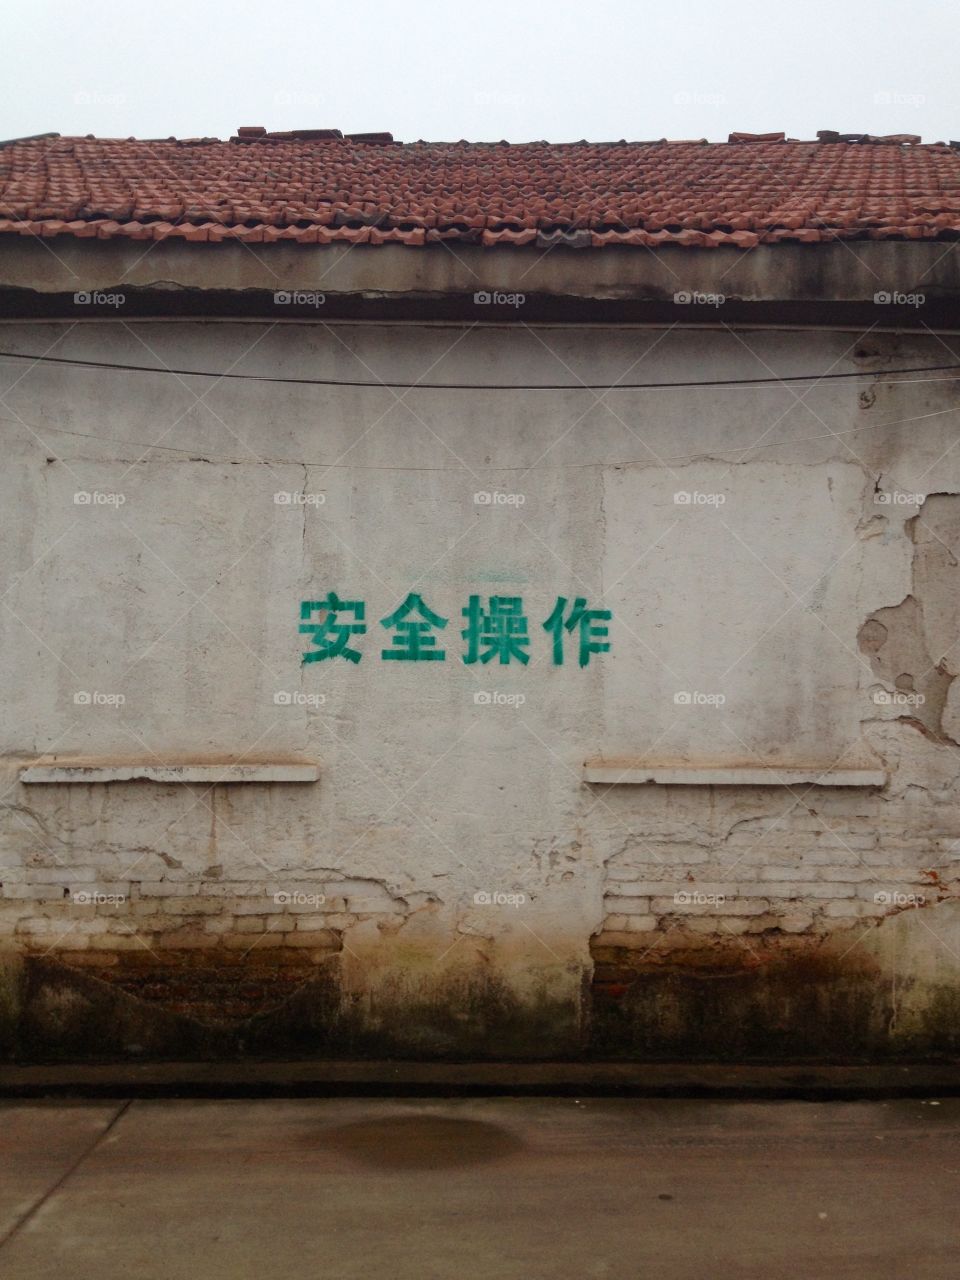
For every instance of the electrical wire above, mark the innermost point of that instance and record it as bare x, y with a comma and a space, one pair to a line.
479, 386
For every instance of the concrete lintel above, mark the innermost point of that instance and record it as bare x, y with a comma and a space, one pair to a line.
614, 774
117, 771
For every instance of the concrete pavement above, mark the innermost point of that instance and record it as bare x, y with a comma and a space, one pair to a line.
518, 1188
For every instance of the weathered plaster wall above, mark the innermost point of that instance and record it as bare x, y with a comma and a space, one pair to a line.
810, 582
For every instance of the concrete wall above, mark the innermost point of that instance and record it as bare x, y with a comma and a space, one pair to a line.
799, 611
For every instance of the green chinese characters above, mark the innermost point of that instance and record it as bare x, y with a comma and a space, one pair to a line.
413, 642
496, 631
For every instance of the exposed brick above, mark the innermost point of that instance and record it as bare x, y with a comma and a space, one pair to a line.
731, 907
41, 926
848, 875
624, 939
120, 942
629, 906
339, 920
630, 924
166, 888
231, 888
217, 924
316, 922
35, 892
323, 940
146, 906
795, 921
281, 924
259, 905
641, 888
251, 924
815, 889
182, 938
853, 908
192, 906
97, 959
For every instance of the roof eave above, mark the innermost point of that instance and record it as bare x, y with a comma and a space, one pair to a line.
838, 282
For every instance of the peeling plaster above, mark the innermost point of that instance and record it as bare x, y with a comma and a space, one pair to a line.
914, 654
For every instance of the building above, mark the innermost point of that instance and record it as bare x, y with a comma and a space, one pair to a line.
480, 599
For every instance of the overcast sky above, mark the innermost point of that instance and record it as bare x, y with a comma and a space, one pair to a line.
439, 70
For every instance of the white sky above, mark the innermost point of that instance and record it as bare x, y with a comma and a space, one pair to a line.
437, 69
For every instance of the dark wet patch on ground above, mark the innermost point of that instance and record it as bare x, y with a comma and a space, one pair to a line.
420, 1142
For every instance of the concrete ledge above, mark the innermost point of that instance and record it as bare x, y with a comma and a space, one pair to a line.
625, 773
371, 1078
782, 274
208, 773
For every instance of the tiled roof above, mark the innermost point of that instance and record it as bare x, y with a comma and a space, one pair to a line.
318, 187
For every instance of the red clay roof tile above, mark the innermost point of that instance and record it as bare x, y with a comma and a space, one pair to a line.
314, 186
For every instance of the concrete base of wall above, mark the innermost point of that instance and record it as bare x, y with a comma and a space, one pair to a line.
793, 1006
352, 1078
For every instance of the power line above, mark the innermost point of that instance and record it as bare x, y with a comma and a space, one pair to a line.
481, 386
